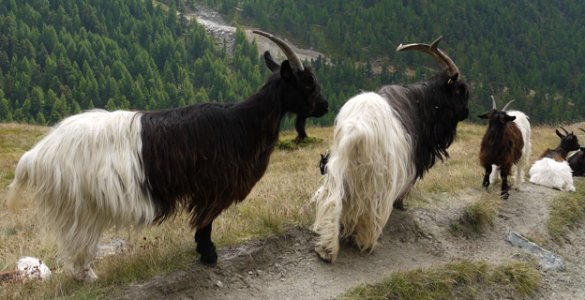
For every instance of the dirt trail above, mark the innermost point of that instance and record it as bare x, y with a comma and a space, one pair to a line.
226, 33
285, 267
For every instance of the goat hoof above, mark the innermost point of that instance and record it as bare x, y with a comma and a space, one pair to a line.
505, 195
86, 275
325, 255
208, 256
399, 205
209, 260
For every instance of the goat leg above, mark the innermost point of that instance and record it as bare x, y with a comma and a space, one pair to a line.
300, 128
205, 246
505, 187
486, 177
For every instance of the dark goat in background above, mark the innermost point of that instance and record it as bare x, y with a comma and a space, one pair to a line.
323, 163
501, 145
131, 169
569, 142
577, 161
320, 110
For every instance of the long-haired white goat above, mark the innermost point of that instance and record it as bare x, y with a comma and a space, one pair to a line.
382, 143
553, 174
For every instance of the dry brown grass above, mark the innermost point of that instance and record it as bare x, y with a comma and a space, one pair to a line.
282, 196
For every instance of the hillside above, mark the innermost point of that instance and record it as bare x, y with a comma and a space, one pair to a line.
59, 58
265, 243
531, 51
419, 240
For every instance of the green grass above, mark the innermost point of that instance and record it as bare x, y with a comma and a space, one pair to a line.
291, 145
566, 213
463, 280
480, 215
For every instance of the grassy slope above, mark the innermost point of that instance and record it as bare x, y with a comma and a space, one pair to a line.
282, 196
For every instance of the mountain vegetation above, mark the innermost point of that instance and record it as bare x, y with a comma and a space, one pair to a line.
58, 58
531, 51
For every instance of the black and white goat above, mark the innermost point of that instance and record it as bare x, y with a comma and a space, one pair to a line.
577, 161
130, 169
552, 169
382, 143
506, 143
569, 142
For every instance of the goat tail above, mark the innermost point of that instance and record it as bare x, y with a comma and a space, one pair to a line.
329, 197
368, 169
16, 189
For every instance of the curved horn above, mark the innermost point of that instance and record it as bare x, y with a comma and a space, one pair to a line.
295, 62
506, 106
582, 129
566, 132
493, 102
435, 52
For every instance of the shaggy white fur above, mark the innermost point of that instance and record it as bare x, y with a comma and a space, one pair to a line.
551, 173
369, 167
518, 169
62, 173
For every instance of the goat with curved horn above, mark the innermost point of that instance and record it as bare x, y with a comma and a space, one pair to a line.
383, 142
294, 60
441, 57
130, 169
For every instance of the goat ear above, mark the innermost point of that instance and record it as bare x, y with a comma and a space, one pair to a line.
270, 63
484, 116
559, 134
510, 118
286, 72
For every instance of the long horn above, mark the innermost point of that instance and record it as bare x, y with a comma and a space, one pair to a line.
563, 128
294, 60
435, 52
506, 106
582, 129
493, 102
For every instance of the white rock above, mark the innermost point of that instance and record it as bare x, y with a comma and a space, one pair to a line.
32, 268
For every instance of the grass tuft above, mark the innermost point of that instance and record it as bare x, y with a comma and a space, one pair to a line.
291, 145
463, 280
566, 212
480, 215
